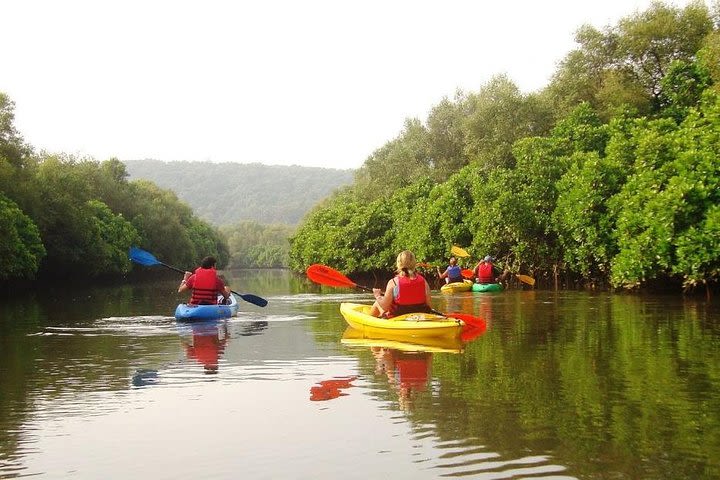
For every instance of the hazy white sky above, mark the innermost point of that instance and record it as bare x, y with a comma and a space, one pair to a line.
311, 82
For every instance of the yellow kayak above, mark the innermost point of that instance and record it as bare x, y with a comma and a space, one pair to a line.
411, 325
465, 286
403, 343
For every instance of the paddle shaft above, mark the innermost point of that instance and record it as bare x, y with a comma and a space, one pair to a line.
148, 259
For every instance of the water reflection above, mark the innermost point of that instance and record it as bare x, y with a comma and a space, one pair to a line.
560, 385
406, 361
329, 389
253, 328
407, 372
402, 342
144, 377
206, 344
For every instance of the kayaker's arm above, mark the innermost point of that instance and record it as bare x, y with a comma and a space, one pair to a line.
384, 300
226, 294
183, 285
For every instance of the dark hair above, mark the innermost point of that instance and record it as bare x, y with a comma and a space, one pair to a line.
208, 262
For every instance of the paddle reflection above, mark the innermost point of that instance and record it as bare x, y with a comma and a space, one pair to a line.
329, 389
250, 329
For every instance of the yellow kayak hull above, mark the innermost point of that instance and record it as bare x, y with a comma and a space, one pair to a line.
465, 286
401, 342
412, 325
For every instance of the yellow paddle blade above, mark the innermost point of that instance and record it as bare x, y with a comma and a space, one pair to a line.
459, 252
525, 279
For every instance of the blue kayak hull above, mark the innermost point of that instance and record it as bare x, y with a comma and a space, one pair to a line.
191, 313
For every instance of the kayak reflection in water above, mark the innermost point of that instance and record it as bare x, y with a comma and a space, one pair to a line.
207, 344
329, 389
407, 371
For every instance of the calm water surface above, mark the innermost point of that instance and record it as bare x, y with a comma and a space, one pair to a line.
102, 383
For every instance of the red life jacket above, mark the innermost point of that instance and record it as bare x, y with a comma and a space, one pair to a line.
485, 273
409, 296
410, 291
204, 287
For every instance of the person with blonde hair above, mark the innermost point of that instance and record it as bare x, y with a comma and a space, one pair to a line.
407, 292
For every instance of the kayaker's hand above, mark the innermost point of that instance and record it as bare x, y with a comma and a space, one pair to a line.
377, 293
186, 276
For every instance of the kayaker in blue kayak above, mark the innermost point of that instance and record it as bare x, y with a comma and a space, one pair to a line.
205, 284
453, 273
407, 292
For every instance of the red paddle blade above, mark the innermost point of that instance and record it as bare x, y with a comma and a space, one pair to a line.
325, 275
470, 333
471, 320
474, 326
467, 273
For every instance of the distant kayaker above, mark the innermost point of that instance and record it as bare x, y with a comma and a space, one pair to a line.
205, 284
484, 271
453, 273
407, 292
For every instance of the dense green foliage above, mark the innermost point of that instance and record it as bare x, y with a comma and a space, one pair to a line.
21, 249
608, 176
61, 216
228, 193
254, 245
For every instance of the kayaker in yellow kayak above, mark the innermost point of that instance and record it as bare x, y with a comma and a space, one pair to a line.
453, 273
407, 292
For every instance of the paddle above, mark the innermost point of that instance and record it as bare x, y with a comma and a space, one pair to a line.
472, 331
525, 279
142, 257
325, 275
459, 252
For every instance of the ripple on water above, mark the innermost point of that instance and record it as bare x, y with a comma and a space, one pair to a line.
315, 298
143, 326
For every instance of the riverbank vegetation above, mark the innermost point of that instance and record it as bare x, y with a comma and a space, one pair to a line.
69, 218
609, 176
255, 245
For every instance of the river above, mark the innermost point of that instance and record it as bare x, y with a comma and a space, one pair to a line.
102, 383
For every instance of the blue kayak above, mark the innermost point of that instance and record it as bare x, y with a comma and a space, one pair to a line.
190, 313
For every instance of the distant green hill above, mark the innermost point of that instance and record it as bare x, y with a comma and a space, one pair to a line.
227, 193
